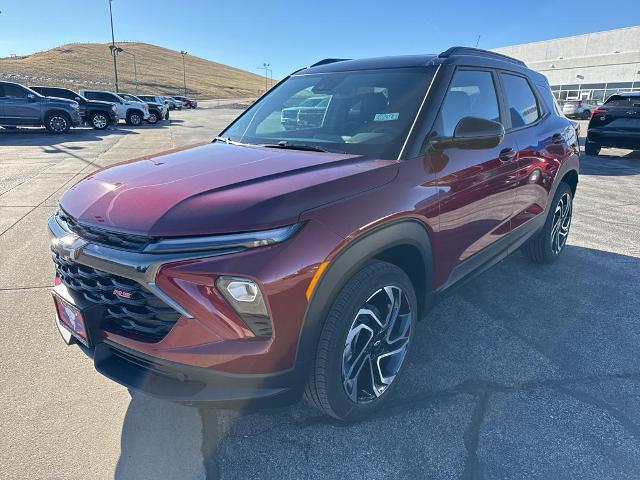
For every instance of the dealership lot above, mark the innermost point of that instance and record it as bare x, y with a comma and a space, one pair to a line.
499, 384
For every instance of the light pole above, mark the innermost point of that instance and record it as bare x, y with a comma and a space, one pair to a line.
135, 68
184, 71
267, 68
113, 47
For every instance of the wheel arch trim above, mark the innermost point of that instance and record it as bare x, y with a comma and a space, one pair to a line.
345, 263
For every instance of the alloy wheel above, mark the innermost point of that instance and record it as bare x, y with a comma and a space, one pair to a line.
58, 123
99, 121
376, 344
561, 223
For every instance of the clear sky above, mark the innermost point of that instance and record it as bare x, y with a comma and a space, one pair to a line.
291, 34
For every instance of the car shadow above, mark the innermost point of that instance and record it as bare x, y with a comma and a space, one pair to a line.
607, 163
510, 371
39, 137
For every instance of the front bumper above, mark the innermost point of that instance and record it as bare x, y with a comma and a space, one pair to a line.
210, 354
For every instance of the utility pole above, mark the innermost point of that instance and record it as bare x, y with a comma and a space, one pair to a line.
113, 47
135, 67
184, 71
267, 68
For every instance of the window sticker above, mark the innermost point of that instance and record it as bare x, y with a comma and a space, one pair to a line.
386, 117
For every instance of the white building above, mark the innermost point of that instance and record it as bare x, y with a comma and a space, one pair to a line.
591, 66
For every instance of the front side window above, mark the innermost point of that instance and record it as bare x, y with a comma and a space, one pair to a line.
365, 112
521, 102
472, 93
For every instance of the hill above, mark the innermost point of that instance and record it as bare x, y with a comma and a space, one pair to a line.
90, 65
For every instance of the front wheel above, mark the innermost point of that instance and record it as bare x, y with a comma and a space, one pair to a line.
547, 245
57, 122
364, 343
134, 118
586, 115
153, 118
99, 120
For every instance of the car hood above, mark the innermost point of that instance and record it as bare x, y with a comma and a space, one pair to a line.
99, 103
219, 188
59, 101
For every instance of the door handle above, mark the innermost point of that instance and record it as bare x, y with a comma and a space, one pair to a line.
507, 154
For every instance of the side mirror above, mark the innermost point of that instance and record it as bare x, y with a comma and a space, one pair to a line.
473, 133
31, 97
78, 99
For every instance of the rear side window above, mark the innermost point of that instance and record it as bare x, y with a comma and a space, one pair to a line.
472, 93
521, 102
620, 101
13, 91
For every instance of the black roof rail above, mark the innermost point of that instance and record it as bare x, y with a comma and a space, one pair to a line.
479, 53
326, 61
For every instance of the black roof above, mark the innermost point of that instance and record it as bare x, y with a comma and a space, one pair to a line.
452, 56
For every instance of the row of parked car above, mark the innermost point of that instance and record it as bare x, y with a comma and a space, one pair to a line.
59, 109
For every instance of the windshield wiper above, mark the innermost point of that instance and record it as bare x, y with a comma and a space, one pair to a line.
294, 146
228, 141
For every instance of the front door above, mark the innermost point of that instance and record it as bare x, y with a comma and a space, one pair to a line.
476, 186
17, 107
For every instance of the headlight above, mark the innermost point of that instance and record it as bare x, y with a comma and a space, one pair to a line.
114, 108
234, 242
75, 105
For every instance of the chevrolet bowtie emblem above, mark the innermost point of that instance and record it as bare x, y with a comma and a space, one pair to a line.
68, 246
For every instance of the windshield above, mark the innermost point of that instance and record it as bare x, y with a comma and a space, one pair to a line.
131, 98
366, 112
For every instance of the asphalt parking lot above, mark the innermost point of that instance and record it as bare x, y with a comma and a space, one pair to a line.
525, 372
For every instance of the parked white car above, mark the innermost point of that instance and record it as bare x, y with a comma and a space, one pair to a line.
578, 109
173, 103
133, 112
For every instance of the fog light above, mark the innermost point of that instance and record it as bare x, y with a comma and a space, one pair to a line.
245, 296
243, 290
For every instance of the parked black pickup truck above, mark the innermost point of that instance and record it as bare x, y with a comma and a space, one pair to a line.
95, 113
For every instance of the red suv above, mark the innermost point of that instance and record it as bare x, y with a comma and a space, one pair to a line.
288, 259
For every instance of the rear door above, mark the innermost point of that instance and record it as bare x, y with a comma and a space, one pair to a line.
477, 187
544, 138
618, 121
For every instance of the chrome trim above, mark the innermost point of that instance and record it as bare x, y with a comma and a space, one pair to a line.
227, 241
136, 266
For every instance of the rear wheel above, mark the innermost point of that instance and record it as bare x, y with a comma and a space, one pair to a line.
547, 245
364, 343
591, 148
99, 120
57, 122
134, 118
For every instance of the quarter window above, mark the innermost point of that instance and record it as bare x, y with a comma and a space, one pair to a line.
472, 93
521, 102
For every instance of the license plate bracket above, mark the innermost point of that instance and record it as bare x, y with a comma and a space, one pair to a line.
77, 321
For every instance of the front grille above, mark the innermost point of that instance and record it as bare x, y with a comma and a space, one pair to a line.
123, 241
143, 314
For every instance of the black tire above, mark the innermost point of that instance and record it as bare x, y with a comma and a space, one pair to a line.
134, 118
326, 389
586, 114
154, 117
541, 247
99, 120
57, 122
591, 148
